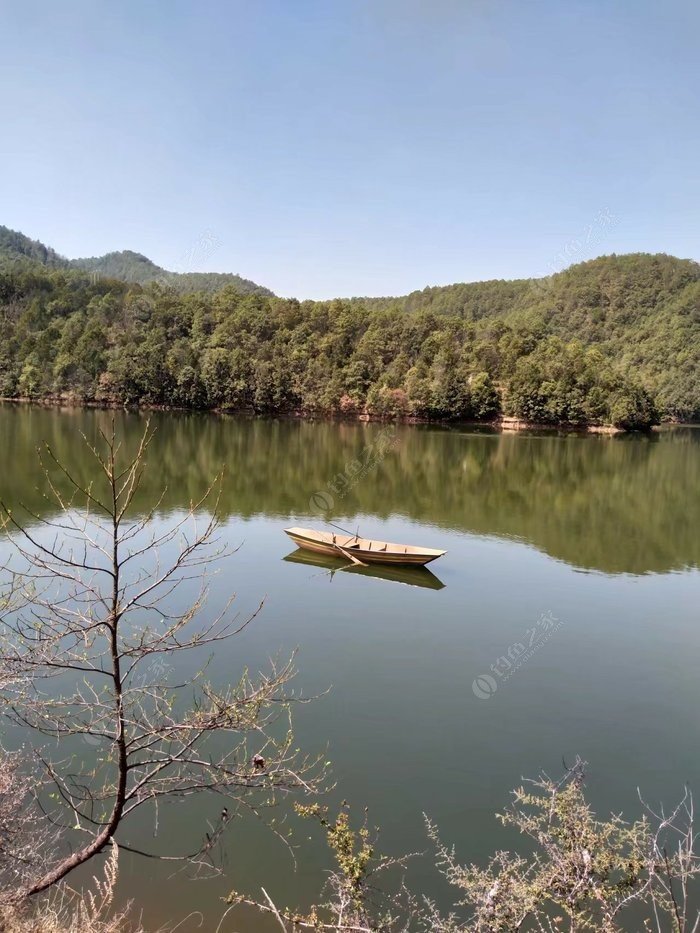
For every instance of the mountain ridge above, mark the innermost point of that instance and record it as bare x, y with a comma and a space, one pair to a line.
126, 265
108, 264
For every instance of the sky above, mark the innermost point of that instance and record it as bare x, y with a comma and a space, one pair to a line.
353, 147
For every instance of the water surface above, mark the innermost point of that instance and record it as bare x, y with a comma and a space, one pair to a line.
590, 543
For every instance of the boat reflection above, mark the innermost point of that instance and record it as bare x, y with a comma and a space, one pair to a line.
410, 576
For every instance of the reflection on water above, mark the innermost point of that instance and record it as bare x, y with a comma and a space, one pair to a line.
409, 576
612, 504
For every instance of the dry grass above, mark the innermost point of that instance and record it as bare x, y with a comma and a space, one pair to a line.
68, 911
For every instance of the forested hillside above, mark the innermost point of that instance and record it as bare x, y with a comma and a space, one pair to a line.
16, 248
612, 341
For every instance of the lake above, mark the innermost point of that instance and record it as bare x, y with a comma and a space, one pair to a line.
585, 549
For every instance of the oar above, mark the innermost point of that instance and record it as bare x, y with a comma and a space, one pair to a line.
351, 557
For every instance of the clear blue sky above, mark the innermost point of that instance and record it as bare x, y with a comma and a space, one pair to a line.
345, 147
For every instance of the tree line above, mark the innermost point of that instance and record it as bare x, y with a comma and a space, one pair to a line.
613, 341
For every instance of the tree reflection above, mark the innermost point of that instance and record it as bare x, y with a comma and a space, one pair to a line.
617, 505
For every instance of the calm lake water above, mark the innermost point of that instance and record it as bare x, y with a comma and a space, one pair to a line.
585, 548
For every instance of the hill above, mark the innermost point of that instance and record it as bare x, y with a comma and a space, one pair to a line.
133, 267
126, 265
641, 310
612, 341
16, 247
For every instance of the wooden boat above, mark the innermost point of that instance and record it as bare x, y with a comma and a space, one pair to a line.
361, 550
409, 576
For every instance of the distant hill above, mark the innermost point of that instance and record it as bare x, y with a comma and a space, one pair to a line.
15, 246
133, 267
615, 340
126, 265
609, 283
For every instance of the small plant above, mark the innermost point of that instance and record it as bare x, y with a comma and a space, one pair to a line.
581, 874
355, 903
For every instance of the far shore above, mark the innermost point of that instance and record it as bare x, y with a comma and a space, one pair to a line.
502, 423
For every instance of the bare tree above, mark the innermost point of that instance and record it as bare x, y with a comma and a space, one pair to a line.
94, 618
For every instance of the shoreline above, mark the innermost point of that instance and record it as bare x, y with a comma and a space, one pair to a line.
504, 424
